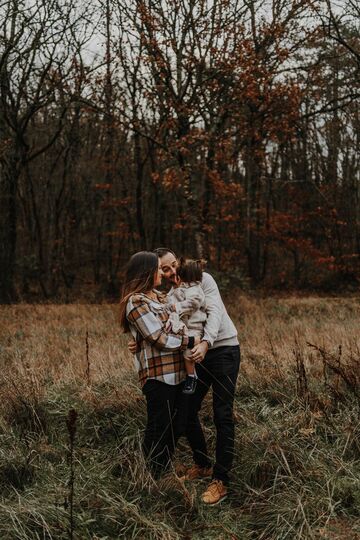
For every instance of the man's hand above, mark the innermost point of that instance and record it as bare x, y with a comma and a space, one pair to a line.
132, 346
199, 351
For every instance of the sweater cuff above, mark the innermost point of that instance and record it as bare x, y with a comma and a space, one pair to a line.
191, 342
206, 337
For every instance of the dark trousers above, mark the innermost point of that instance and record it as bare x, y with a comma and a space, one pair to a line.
219, 369
166, 422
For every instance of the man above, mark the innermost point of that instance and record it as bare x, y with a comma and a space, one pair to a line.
218, 360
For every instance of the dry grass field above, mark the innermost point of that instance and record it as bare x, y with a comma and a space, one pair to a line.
297, 457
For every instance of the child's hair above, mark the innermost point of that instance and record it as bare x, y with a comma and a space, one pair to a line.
190, 269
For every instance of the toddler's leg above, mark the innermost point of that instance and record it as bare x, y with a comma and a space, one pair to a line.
190, 381
189, 366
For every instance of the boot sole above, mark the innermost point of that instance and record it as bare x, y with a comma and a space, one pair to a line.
217, 502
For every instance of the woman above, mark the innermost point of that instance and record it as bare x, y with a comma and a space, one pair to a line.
158, 359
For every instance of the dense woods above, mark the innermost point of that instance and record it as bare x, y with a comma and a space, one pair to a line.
220, 128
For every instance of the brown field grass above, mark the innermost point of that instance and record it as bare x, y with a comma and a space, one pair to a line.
296, 471
50, 340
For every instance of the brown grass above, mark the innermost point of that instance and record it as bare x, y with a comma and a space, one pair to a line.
48, 342
51, 341
295, 471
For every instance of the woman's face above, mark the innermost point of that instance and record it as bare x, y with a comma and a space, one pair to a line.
158, 275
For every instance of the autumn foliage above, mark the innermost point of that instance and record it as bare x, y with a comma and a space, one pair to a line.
219, 129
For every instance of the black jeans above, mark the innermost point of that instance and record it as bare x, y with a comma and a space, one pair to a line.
219, 369
166, 422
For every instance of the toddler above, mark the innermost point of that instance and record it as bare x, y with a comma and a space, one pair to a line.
192, 321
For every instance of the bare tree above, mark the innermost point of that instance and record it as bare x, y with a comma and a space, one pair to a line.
342, 26
36, 56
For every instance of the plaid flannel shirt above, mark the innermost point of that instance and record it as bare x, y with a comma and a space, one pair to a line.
159, 354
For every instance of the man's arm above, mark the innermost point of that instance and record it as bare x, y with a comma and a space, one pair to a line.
214, 311
214, 308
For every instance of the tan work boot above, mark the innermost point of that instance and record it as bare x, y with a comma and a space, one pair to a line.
196, 472
215, 492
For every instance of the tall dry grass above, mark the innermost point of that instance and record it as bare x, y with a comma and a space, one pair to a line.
296, 464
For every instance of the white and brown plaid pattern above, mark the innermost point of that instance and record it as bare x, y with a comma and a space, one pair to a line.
159, 354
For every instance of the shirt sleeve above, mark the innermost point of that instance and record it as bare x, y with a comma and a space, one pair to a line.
152, 329
214, 308
188, 301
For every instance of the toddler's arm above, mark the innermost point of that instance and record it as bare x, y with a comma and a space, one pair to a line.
186, 303
175, 325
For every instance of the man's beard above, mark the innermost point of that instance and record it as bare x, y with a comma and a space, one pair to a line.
165, 286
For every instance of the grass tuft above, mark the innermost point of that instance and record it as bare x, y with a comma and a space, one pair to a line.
297, 454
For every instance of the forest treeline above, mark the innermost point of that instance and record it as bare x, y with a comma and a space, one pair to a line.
220, 128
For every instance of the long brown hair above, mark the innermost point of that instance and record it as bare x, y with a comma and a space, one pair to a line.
139, 277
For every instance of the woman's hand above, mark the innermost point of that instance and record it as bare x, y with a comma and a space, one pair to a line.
132, 346
168, 326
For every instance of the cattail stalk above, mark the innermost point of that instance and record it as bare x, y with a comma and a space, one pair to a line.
87, 358
71, 427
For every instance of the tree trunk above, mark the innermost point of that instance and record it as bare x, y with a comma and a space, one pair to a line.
9, 175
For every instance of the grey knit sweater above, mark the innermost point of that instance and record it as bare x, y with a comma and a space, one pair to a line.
219, 329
